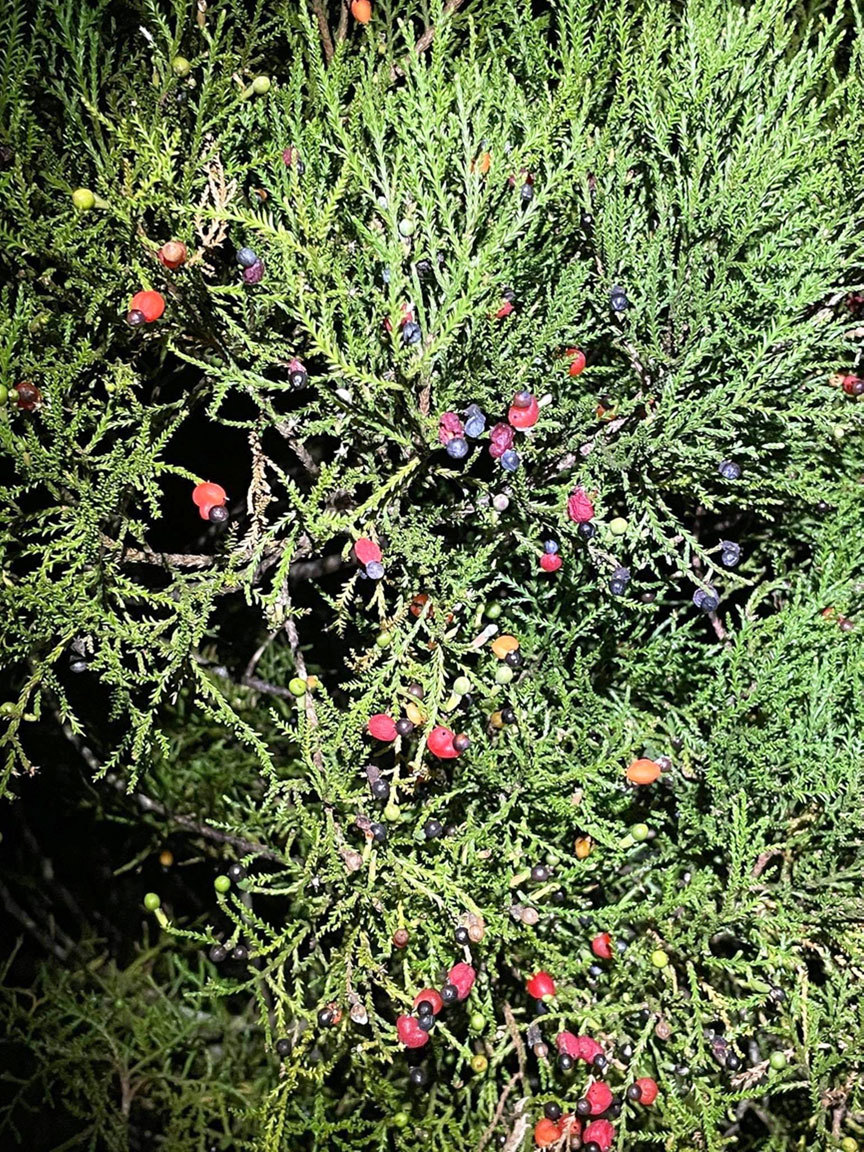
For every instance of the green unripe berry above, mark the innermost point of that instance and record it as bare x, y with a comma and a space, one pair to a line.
659, 958
4, 393
383, 640
848, 1144
479, 1063
406, 228
640, 832
181, 66
261, 85
492, 610
83, 199
152, 902
777, 1060
221, 883
400, 1120
392, 812
618, 526
461, 685
297, 686
477, 1021
503, 674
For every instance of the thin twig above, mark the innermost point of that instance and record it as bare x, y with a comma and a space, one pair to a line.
323, 28
429, 35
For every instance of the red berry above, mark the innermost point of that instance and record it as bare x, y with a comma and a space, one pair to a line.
568, 1043
382, 727
601, 946
550, 561
501, 439
601, 1132
599, 1096
505, 310
541, 985
410, 1033
523, 418
852, 385
449, 425
649, 1090
367, 550
173, 254
546, 1132
577, 361
462, 977
579, 507
440, 744
432, 996
150, 304
29, 397
208, 494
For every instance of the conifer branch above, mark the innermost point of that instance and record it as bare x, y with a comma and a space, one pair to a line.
324, 28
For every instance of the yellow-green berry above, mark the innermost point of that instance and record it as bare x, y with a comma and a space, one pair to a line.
83, 199
383, 640
477, 1021
777, 1060
479, 1063
260, 85
640, 832
659, 958
461, 685
181, 66
392, 812
503, 674
297, 686
152, 902
222, 883
618, 526
493, 610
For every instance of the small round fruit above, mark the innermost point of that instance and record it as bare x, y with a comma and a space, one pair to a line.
618, 526
778, 1061
659, 958
503, 674
380, 789
78, 665
383, 639
634, 1093
493, 610
461, 685
577, 361
181, 66
552, 1110
246, 257
404, 726
152, 901
152, 304
848, 1144
261, 85
218, 514
640, 832
222, 883
392, 812
515, 659
461, 936
135, 318
432, 829
240, 953
587, 530
217, 953
479, 1063
418, 1076
461, 742
361, 10
4, 393
477, 1022
401, 1120
283, 1047
449, 994
236, 872
400, 938
173, 254
297, 686
83, 199
166, 857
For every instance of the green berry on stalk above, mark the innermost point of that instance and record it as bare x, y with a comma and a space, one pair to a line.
659, 958
618, 526
406, 228
640, 832
492, 610
383, 640
479, 1063
4, 393
848, 1144
503, 674
222, 883
778, 1061
83, 199
461, 685
400, 1120
181, 66
297, 686
261, 85
477, 1022
392, 812
152, 902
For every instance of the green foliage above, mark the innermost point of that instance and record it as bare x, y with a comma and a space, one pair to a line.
719, 150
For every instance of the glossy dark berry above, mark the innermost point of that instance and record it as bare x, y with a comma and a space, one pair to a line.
217, 953
777, 994
77, 665
730, 553
634, 1093
617, 587
587, 530
433, 829
527, 193
508, 715
583, 1107
418, 1076
380, 789
283, 1047
587, 220
540, 1009
729, 470
625, 1052
462, 936
706, 601
404, 726
379, 832
509, 295
539, 873
552, 1110
425, 1008
449, 993
218, 514
523, 399
411, 333
565, 1062
550, 547
325, 1018
461, 741
135, 318
600, 1062
374, 569
559, 896
246, 257
614, 1110
591, 1146
515, 659
618, 299
240, 953
299, 378
424, 268
733, 1061
416, 690
426, 1023
823, 507
236, 872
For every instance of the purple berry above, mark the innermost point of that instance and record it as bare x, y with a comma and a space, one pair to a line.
254, 274
729, 470
510, 460
411, 333
374, 569
550, 546
457, 448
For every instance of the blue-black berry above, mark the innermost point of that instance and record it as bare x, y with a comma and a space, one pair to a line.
404, 726
730, 553
374, 569
457, 448
461, 936
587, 530
729, 470
449, 993
246, 257
283, 1047
380, 789
418, 1076
298, 378
550, 547
432, 829
527, 193
618, 299
427, 1023
552, 1110
218, 514
379, 832
411, 333
510, 460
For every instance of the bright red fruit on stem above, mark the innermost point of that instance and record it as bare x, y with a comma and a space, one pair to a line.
577, 361
601, 1132
579, 507
381, 727
462, 977
649, 1090
599, 1096
540, 986
567, 1042
550, 561
601, 946
208, 493
367, 550
410, 1033
587, 1048
432, 996
505, 310
150, 304
440, 744
524, 417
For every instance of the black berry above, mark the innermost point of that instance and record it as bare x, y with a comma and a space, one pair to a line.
539, 872
587, 530
508, 715
404, 726
425, 1008
283, 1047
135, 318
625, 1053
515, 659
380, 789
418, 1076
298, 378
236, 872
565, 1062
77, 665
587, 221
379, 832
527, 193
218, 514
217, 953
461, 742
634, 1093
600, 1062
462, 936
449, 993
325, 1018
777, 994
729, 470
240, 953
552, 1110
583, 1107
733, 1061
426, 1023
432, 829
591, 1146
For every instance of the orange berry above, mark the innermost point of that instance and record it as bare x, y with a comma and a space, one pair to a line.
151, 305
361, 10
546, 1132
583, 847
501, 645
643, 772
